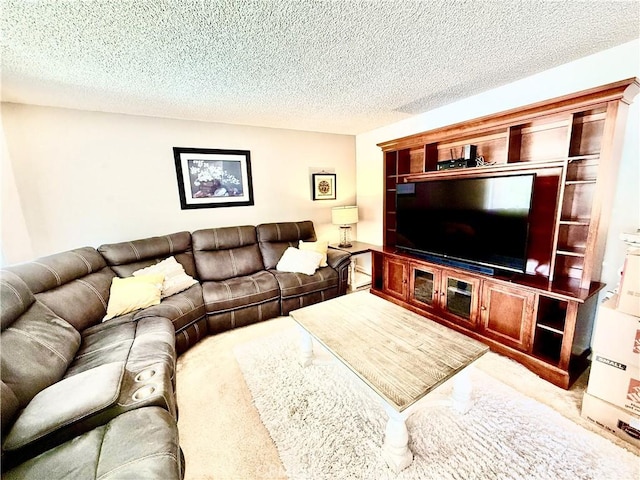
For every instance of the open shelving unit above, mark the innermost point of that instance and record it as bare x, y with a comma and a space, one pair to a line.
572, 144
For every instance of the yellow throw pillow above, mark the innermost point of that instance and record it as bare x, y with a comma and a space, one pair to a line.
319, 246
133, 293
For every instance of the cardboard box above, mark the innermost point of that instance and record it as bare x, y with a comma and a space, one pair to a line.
616, 334
629, 295
615, 382
611, 418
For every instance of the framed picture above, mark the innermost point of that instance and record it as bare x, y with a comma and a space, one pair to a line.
209, 178
324, 186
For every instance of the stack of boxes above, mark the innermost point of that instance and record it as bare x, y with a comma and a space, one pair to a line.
612, 400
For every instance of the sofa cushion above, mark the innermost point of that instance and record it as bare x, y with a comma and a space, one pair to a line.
321, 246
133, 293
175, 278
73, 284
36, 350
47, 273
138, 343
226, 253
299, 261
240, 292
141, 443
15, 298
275, 238
127, 257
296, 284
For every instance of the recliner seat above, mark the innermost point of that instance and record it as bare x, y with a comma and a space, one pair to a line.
296, 289
236, 288
185, 309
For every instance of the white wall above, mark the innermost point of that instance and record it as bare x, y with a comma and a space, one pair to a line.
605, 67
87, 178
16, 244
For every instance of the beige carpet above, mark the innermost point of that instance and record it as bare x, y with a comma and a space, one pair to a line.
221, 432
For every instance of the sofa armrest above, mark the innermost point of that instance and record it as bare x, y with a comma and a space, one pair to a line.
338, 259
66, 402
85, 401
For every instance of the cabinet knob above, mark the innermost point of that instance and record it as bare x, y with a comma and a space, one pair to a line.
483, 307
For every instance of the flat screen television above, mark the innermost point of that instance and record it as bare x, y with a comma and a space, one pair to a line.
481, 222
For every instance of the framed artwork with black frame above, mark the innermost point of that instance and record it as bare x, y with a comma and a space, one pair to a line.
210, 177
323, 186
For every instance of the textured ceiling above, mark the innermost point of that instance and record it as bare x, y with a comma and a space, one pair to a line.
331, 66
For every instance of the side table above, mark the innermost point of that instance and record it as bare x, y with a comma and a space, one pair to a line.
357, 279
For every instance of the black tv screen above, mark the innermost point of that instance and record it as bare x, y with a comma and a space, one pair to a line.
482, 221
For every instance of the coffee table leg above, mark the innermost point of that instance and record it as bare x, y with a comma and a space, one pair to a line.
306, 347
395, 449
461, 394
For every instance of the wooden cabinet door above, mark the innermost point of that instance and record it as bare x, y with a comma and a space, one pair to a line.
424, 286
459, 298
394, 277
506, 314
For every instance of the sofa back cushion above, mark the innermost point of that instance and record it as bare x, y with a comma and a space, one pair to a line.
37, 346
127, 257
275, 238
73, 284
15, 298
226, 252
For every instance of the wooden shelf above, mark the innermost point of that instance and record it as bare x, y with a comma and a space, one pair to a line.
576, 252
550, 329
572, 145
581, 158
484, 170
581, 222
579, 182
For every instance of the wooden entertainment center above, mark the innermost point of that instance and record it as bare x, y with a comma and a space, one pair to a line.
544, 317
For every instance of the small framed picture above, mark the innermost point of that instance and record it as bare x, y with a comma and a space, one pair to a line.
209, 178
324, 186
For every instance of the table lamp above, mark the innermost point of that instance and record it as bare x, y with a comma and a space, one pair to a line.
345, 217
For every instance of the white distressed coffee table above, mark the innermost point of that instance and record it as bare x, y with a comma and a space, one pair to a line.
400, 355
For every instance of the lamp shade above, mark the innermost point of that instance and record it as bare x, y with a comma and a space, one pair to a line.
344, 215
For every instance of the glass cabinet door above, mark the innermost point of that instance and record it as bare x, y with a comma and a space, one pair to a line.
423, 286
460, 296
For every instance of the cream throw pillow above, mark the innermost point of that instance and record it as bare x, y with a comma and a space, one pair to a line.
175, 278
319, 246
133, 293
299, 261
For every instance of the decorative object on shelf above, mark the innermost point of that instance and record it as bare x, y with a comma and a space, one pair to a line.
210, 177
345, 217
324, 186
480, 162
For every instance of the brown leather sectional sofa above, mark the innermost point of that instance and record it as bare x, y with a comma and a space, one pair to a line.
83, 398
